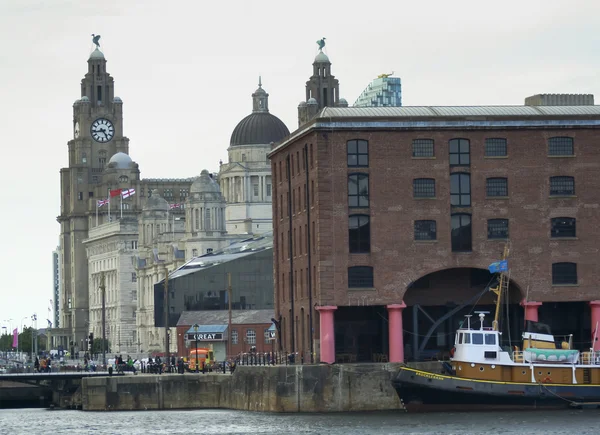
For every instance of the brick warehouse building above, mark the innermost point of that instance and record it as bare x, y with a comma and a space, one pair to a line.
403, 209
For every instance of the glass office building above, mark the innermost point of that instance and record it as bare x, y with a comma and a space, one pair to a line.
381, 92
201, 284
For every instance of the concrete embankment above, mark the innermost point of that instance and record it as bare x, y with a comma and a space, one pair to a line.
301, 388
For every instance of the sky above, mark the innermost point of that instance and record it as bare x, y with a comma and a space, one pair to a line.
186, 70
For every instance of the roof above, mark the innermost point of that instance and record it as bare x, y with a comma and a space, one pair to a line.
260, 128
232, 252
207, 329
221, 317
420, 117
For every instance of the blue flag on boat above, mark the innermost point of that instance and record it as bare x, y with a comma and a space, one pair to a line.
498, 266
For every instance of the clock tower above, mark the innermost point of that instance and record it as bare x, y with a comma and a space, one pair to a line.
97, 135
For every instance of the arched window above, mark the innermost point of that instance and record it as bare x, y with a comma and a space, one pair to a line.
251, 336
461, 232
359, 233
358, 190
563, 227
460, 190
564, 273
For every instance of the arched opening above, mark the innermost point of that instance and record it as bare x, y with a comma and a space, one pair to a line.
438, 302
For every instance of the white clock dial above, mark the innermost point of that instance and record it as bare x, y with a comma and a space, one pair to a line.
102, 130
76, 130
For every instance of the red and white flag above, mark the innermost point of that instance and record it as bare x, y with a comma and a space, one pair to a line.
172, 206
102, 202
115, 192
126, 193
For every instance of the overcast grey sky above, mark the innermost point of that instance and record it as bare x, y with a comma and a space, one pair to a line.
186, 70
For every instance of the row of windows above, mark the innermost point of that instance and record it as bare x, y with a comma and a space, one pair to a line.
250, 336
561, 227
562, 274
460, 187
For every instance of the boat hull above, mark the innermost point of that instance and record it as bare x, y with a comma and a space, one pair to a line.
426, 391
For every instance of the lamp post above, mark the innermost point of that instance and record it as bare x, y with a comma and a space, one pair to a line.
196, 327
24, 318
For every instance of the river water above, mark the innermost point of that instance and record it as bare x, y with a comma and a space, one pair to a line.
209, 422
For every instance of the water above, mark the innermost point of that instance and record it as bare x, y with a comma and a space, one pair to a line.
209, 422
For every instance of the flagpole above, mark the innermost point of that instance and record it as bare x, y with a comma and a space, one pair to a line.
96, 212
121, 205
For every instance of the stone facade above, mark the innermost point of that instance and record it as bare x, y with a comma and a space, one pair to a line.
111, 252
313, 244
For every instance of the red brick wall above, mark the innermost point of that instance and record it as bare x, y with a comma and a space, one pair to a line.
241, 346
396, 258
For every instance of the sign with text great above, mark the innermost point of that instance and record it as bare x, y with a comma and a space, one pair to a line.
210, 336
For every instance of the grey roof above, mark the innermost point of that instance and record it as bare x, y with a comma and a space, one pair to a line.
156, 202
232, 252
205, 184
456, 111
259, 128
221, 317
97, 54
121, 161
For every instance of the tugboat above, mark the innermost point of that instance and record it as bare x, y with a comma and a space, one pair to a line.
482, 375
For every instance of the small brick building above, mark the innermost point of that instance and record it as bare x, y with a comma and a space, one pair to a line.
377, 209
250, 328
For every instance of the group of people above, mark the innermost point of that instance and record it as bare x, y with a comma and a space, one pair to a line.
43, 365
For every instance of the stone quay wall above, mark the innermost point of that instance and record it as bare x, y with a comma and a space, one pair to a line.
298, 388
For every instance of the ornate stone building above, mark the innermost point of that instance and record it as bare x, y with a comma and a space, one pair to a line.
246, 179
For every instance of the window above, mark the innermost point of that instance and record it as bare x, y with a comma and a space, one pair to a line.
563, 227
194, 252
133, 277
168, 193
477, 338
560, 146
460, 152
83, 158
234, 336
255, 189
209, 250
80, 196
360, 277
422, 148
90, 194
564, 273
134, 244
358, 153
495, 147
268, 190
183, 193
358, 190
359, 233
251, 336
424, 188
461, 232
498, 229
267, 336
496, 187
562, 186
123, 179
425, 230
460, 190
490, 339
243, 157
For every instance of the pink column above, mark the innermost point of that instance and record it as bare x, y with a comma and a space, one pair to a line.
531, 310
396, 339
595, 306
327, 335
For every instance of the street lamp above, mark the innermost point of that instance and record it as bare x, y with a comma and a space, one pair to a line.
24, 318
196, 327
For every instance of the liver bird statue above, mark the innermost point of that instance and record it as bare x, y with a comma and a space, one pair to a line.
321, 43
96, 40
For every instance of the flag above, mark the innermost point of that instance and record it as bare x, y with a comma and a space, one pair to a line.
49, 323
102, 202
126, 193
498, 266
15, 338
115, 192
172, 206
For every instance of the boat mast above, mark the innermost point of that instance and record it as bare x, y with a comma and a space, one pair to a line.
499, 290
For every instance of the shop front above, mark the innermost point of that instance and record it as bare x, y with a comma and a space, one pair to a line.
208, 336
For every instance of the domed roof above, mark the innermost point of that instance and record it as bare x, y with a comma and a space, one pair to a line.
258, 128
156, 202
321, 58
117, 100
343, 102
121, 161
312, 102
97, 54
84, 99
205, 184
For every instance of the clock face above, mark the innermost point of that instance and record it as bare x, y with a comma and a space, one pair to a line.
76, 130
102, 130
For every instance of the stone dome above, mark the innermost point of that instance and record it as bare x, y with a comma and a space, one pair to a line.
97, 54
343, 102
156, 202
84, 99
120, 161
302, 104
117, 100
258, 128
205, 184
311, 102
321, 58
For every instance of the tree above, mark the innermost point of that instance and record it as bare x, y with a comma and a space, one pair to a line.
97, 347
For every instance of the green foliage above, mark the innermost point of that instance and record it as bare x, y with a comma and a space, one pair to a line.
25, 338
97, 347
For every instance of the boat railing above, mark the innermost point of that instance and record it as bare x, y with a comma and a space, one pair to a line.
589, 358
